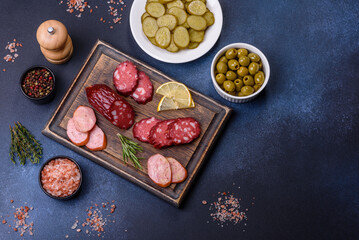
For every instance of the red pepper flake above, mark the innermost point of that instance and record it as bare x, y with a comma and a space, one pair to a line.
11, 201
4, 221
4, 70
204, 202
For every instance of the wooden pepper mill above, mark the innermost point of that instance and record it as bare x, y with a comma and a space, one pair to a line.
55, 43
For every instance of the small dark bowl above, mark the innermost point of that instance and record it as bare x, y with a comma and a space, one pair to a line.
44, 99
61, 198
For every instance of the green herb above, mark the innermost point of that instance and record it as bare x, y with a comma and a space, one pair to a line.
129, 150
24, 145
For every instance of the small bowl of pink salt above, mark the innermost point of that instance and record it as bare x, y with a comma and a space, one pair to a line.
60, 177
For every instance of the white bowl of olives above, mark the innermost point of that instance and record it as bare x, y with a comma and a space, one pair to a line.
239, 72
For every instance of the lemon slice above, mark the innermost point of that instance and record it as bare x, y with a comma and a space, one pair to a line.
169, 104
177, 92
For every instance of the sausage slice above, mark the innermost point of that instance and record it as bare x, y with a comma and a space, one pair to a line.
184, 130
179, 173
98, 140
141, 130
159, 170
84, 118
76, 137
159, 134
144, 90
125, 77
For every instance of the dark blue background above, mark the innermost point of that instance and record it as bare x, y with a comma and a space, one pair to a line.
294, 148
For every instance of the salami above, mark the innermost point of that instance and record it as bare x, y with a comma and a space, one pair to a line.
159, 170
141, 130
184, 130
76, 137
159, 135
84, 119
112, 106
122, 114
125, 78
144, 90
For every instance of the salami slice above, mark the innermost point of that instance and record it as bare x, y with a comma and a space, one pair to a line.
179, 173
184, 130
142, 129
112, 106
76, 137
159, 135
144, 90
122, 114
125, 78
159, 170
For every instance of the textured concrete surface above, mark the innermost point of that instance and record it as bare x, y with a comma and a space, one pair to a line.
294, 148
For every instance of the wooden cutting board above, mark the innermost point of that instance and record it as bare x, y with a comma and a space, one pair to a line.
98, 68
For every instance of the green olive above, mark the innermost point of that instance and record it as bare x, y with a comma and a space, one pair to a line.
220, 78
242, 52
233, 93
229, 86
230, 75
222, 67
231, 53
233, 64
248, 80
240, 94
239, 84
247, 90
259, 78
254, 57
242, 71
244, 61
260, 65
253, 68
223, 59
256, 88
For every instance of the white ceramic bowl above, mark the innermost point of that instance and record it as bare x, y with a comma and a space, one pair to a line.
186, 55
250, 48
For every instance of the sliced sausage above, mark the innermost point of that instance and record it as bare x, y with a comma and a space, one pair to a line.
84, 118
122, 114
144, 90
184, 130
159, 135
98, 140
101, 97
141, 130
179, 173
76, 137
112, 106
159, 170
125, 78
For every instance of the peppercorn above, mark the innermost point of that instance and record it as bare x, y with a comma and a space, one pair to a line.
38, 83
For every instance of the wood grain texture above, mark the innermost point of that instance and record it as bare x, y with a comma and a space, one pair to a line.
99, 68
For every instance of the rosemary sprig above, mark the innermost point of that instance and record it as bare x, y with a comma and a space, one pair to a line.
24, 145
129, 150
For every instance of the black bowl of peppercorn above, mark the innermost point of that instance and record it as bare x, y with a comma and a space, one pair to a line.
38, 84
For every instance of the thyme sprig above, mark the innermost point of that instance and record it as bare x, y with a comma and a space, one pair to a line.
129, 150
24, 145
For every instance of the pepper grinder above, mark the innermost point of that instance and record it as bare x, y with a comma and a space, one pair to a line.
55, 42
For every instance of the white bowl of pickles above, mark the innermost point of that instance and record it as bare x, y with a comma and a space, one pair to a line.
176, 31
239, 72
